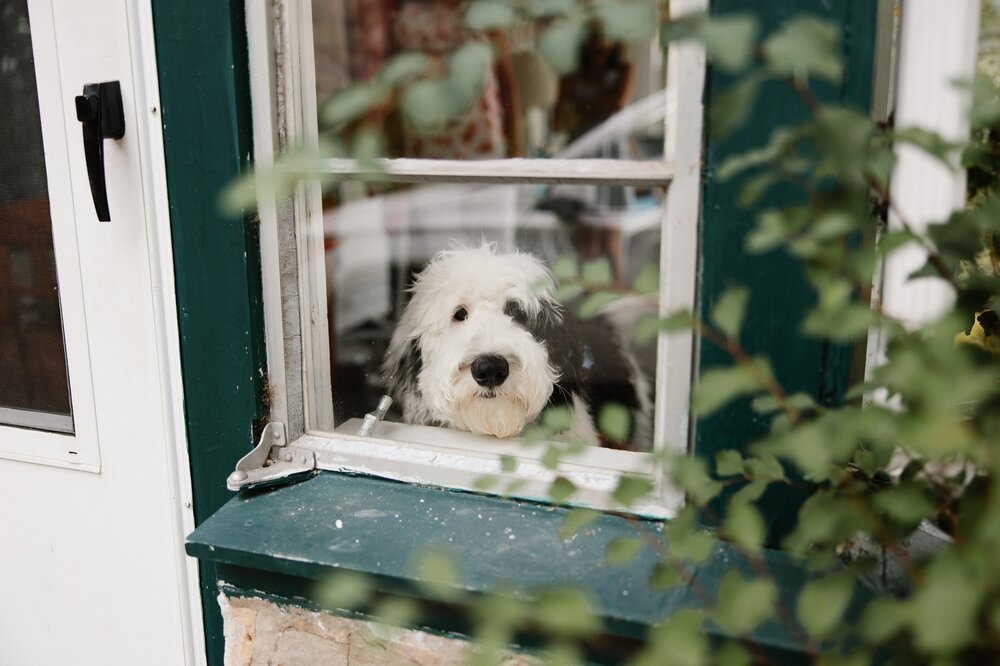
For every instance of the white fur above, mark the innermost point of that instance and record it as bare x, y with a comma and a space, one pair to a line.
439, 388
482, 282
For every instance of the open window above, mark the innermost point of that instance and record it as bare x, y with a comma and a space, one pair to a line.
596, 174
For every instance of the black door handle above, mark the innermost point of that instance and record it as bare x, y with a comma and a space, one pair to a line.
100, 110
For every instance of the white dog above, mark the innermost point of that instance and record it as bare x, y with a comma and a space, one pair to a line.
484, 346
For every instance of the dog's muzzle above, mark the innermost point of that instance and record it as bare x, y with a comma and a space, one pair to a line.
490, 370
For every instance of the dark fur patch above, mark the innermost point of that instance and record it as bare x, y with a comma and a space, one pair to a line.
591, 362
515, 311
406, 369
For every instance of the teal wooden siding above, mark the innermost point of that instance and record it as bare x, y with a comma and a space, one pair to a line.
780, 295
202, 61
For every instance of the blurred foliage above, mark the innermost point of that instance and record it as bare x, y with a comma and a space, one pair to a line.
917, 445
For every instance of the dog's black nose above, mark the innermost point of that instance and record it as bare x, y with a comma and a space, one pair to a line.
490, 371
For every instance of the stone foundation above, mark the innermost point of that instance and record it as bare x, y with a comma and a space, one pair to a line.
259, 632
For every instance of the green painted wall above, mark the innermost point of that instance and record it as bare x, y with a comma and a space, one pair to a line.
201, 54
780, 295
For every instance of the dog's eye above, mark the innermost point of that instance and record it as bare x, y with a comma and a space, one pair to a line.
461, 314
514, 310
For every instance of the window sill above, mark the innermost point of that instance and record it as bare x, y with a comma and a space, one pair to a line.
279, 543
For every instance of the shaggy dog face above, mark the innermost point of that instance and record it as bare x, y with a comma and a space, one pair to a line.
483, 346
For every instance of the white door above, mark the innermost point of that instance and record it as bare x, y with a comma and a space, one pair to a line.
93, 479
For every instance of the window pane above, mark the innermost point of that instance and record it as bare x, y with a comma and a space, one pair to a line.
521, 108
34, 391
377, 241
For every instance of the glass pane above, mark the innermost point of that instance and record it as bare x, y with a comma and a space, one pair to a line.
519, 106
34, 390
485, 340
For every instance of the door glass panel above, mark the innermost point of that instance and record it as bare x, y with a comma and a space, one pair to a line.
34, 382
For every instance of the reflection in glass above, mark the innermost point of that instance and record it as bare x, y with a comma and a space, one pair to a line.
523, 108
377, 242
34, 386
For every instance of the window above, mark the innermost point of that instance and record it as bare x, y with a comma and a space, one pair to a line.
596, 172
46, 398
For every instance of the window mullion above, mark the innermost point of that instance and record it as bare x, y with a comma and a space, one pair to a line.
507, 171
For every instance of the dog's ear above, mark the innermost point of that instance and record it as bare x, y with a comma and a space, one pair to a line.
401, 368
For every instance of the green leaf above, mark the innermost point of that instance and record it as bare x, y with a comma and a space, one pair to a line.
755, 187
350, 104
239, 195
467, 70
882, 619
569, 291
549, 8
557, 419
744, 604
719, 386
730, 40
765, 467
626, 21
561, 654
768, 404
933, 144
945, 606
560, 44
485, 482
732, 107
566, 611
733, 654
744, 526
648, 279
345, 589
397, 611
652, 325
687, 541
595, 302
615, 422
552, 456
730, 309
781, 142
367, 147
679, 641
665, 576
561, 489
486, 15
805, 46
630, 489
752, 491
428, 106
508, 463
403, 67
597, 273
565, 268
575, 520
729, 462
822, 604
438, 572
622, 550
906, 504
690, 474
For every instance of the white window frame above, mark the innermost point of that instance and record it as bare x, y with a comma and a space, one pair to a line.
41, 438
281, 53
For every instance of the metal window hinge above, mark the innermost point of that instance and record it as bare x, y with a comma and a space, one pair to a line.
272, 462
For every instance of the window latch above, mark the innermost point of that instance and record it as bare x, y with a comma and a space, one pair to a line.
272, 462
372, 418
